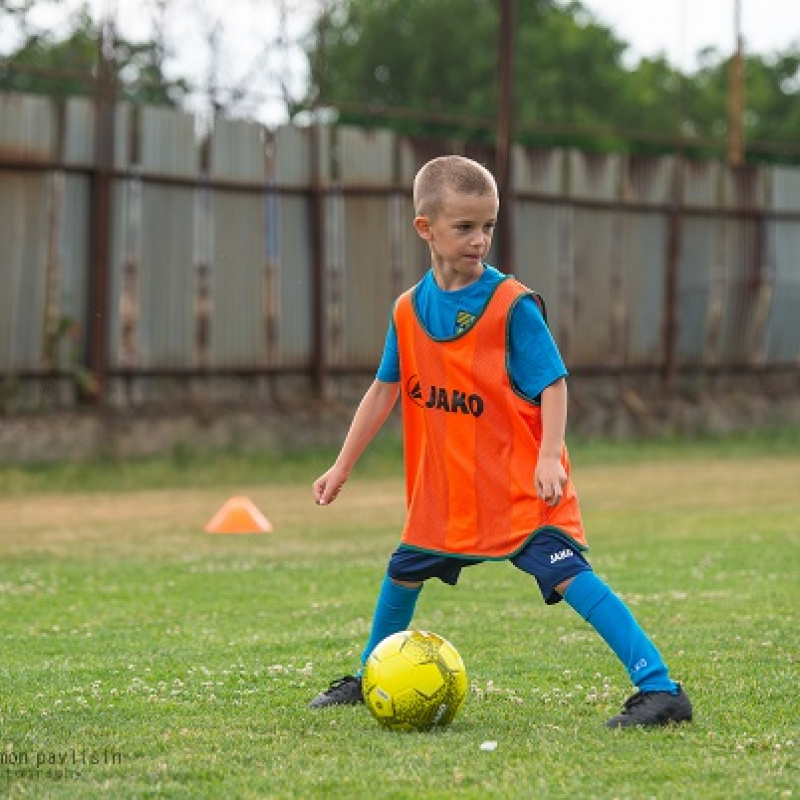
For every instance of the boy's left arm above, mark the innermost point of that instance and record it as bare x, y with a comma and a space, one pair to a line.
550, 473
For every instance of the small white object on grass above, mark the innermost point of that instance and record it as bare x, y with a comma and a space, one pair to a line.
489, 746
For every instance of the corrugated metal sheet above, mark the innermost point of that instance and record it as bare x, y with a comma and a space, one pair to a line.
204, 275
643, 286
166, 334
126, 240
782, 339
540, 171
782, 345
594, 177
698, 266
544, 261
407, 162
366, 157
785, 185
238, 274
238, 151
167, 143
649, 180
743, 190
366, 289
290, 159
740, 335
411, 257
79, 132
293, 261
701, 185
743, 187
24, 233
590, 340
124, 121
73, 267
540, 256
28, 127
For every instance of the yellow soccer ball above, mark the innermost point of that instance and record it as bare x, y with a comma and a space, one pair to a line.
414, 681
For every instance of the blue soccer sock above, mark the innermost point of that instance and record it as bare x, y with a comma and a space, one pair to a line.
612, 619
393, 613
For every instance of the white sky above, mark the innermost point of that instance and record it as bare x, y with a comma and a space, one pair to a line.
249, 28
680, 28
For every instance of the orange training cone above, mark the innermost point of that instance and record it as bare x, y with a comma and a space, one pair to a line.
239, 515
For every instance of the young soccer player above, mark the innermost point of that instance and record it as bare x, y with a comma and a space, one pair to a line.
484, 407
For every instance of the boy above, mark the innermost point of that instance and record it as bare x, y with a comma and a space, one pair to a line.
484, 406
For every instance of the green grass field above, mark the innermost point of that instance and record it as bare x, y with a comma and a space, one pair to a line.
142, 657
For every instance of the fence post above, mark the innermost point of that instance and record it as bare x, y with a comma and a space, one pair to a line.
97, 323
505, 136
674, 240
318, 309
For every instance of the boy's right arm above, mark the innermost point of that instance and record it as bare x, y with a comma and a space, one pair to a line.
372, 412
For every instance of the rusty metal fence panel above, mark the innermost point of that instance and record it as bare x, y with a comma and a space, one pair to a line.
594, 182
359, 269
254, 251
237, 261
71, 268
28, 128
152, 262
541, 260
782, 337
638, 315
166, 278
544, 257
291, 249
648, 189
695, 311
238, 281
24, 233
79, 143
701, 267
744, 192
28, 134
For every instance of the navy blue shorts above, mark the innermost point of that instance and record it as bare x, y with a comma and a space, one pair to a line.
549, 557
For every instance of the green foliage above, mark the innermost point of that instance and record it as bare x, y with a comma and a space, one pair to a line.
64, 66
773, 98
143, 658
429, 67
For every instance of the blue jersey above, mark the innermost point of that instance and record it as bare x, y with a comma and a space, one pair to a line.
534, 360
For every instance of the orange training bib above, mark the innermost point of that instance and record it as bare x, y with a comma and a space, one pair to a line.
471, 441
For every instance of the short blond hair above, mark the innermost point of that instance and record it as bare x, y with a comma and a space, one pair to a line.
455, 173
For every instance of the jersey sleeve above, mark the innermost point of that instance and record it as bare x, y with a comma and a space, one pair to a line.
534, 359
389, 368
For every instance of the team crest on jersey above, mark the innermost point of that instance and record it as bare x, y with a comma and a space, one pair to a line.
464, 321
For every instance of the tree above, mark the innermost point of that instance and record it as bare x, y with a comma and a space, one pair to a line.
372, 56
430, 66
45, 64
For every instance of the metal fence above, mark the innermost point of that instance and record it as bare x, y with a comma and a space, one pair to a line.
251, 252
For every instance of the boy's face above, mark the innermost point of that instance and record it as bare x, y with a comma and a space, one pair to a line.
459, 236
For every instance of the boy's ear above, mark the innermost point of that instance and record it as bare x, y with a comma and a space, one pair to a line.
423, 227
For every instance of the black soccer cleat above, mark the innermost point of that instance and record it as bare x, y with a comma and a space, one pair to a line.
650, 709
342, 692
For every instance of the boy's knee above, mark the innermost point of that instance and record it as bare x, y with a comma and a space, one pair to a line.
407, 584
562, 587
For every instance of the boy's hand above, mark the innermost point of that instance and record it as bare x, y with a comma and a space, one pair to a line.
550, 479
326, 488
